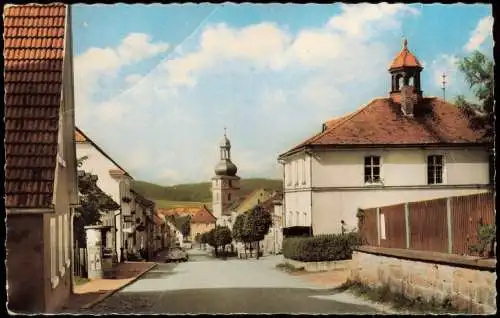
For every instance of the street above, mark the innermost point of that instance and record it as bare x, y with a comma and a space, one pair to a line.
208, 285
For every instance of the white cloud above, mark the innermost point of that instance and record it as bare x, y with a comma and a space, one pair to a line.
363, 19
97, 64
483, 30
444, 64
278, 84
133, 78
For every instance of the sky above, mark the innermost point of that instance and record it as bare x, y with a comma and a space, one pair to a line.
155, 85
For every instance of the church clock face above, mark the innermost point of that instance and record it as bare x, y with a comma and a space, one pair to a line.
224, 183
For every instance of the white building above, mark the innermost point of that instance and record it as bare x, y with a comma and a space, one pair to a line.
405, 147
113, 180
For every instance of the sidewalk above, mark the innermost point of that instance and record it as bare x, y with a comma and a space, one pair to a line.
88, 294
330, 279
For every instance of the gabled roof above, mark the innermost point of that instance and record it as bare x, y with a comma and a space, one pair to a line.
34, 40
81, 137
382, 123
198, 214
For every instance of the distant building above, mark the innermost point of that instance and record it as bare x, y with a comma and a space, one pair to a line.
404, 147
41, 183
201, 219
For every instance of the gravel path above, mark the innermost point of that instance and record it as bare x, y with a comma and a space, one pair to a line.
207, 285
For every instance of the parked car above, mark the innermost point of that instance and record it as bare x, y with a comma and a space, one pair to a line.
177, 255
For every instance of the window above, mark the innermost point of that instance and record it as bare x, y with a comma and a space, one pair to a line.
303, 171
297, 221
288, 177
217, 197
296, 171
382, 226
229, 182
305, 219
372, 169
67, 239
434, 169
60, 243
53, 256
229, 196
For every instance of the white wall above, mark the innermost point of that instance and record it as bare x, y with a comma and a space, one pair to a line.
297, 202
399, 167
99, 165
330, 207
338, 188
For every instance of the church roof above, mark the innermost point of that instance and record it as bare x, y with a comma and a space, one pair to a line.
405, 58
381, 122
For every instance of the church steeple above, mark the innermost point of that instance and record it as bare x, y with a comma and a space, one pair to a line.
225, 167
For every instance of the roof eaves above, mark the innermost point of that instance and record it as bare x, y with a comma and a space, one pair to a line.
102, 151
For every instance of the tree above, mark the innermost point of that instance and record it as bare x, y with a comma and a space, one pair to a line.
223, 236
93, 203
210, 237
241, 232
478, 71
203, 239
258, 221
186, 226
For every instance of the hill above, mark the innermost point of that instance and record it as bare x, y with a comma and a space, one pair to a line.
198, 193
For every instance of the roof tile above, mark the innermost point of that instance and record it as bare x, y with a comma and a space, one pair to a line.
33, 62
382, 122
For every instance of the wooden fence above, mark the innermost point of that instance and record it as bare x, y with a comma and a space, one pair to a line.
447, 225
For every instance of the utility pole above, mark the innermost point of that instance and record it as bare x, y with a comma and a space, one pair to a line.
444, 86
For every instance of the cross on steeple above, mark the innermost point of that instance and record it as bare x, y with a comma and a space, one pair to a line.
225, 132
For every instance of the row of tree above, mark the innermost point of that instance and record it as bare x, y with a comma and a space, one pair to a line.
249, 228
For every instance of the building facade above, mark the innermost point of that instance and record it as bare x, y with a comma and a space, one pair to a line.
41, 184
112, 179
406, 147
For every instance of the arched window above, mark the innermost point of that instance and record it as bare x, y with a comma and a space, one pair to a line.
229, 196
297, 221
411, 81
399, 82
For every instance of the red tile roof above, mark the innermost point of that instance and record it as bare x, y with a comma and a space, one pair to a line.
198, 214
33, 65
382, 122
405, 58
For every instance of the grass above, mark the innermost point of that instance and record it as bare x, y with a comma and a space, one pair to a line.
289, 268
81, 280
166, 204
397, 300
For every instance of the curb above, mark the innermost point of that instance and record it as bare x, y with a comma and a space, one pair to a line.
112, 292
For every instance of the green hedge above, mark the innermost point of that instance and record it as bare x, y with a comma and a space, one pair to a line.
329, 247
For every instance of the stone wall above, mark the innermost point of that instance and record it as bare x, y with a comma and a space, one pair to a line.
466, 288
318, 266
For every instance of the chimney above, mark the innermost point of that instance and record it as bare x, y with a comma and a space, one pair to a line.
409, 99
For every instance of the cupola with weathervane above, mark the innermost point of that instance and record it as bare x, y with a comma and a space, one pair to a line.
405, 72
225, 183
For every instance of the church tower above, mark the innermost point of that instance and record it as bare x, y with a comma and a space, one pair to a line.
225, 184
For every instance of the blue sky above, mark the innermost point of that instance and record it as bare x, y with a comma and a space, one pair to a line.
156, 84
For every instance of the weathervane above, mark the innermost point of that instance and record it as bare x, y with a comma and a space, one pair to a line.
444, 86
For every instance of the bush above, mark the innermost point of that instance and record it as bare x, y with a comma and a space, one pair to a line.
329, 247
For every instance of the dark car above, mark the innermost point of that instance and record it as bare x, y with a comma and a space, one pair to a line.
177, 254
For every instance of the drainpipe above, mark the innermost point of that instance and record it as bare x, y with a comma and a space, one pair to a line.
311, 193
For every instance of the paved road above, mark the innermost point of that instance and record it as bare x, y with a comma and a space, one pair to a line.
207, 285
